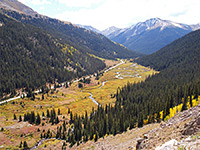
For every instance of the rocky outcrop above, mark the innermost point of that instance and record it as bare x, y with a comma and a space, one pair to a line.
178, 132
192, 126
190, 143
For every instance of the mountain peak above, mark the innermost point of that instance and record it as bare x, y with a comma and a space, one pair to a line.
110, 30
154, 23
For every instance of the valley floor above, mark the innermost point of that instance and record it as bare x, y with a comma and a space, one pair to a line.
76, 99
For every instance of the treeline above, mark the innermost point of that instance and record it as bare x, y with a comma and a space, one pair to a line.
30, 57
144, 101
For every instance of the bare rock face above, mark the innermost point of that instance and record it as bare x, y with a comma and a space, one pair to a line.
138, 145
192, 127
168, 145
175, 133
198, 120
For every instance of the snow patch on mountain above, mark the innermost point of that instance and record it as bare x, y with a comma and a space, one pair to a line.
153, 24
89, 28
111, 30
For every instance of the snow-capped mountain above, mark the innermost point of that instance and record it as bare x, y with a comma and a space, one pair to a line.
89, 28
196, 26
151, 35
110, 30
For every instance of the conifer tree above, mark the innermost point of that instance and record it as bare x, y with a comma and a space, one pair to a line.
184, 107
38, 119
20, 146
59, 111
57, 120
96, 136
48, 114
14, 117
25, 146
32, 119
20, 118
140, 120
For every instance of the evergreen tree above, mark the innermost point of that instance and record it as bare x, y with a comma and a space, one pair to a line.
20, 118
80, 85
96, 136
66, 86
25, 146
140, 120
59, 111
184, 107
69, 110
38, 119
71, 118
20, 146
57, 120
25, 117
14, 117
32, 119
48, 114
191, 100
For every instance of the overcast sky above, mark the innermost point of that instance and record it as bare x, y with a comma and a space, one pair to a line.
102, 14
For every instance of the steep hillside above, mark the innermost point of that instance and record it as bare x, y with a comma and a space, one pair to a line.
177, 84
84, 40
30, 57
180, 132
180, 52
151, 35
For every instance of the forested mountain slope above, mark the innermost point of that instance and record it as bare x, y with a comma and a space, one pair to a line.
47, 49
177, 83
180, 52
31, 57
84, 40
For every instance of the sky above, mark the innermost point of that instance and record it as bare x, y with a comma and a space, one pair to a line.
102, 14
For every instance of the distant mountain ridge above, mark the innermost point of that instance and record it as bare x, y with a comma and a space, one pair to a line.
138, 37
89, 28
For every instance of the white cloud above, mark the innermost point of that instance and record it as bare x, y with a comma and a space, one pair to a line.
80, 3
42, 8
123, 13
36, 2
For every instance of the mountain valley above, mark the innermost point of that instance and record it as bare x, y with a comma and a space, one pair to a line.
71, 86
